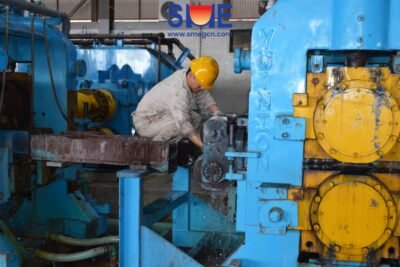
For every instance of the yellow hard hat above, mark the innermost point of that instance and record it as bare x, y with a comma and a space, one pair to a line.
205, 70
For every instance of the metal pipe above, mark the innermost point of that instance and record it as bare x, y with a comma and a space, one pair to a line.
159, 60
34, 8
32, 62
76, 8
154, 36
181, 46
72, 257
4, 79
76, 38
84, 42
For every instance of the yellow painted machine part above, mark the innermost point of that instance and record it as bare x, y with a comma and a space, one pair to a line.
101, 104
344, 210
356, 125
350, 120
353, 215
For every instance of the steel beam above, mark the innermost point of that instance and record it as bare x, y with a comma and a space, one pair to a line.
102, 149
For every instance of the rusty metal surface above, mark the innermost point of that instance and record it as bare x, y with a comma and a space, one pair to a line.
101, 149
17, 109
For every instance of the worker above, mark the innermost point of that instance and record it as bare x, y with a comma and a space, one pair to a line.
173, 108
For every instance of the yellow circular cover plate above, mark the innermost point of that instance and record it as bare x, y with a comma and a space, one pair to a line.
354, 214
357, 125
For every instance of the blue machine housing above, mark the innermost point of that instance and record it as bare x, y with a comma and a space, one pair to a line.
281, 40
62, 57
127, 73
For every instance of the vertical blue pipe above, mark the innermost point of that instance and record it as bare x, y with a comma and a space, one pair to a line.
130, 217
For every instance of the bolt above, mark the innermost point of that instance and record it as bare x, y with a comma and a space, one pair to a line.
316, 66
337, 248
317, 199
315, 81
380, 153
320, 136
389, 203
321, 106
378, 187
360, 39
365, 250
316, 227
275, 214
360, 18
285, 135
355, 154
388, 231
332, 151
285, 121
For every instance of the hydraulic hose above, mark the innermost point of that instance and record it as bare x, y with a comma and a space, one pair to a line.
84, 242
72, 257
53, 87
41, 10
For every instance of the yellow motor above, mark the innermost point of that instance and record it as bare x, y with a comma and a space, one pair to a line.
98, 105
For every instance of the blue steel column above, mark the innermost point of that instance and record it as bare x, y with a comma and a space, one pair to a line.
181, 235
130, 217
4, 178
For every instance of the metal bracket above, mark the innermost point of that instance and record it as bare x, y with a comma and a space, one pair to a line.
275, 216
231, 155
317, 64
289, 128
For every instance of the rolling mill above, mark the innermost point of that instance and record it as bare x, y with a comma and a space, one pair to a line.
308, 175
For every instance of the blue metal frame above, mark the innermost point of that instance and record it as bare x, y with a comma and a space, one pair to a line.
192, 222
280, 41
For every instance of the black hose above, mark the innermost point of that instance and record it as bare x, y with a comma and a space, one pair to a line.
3, 84
41, 10
46, 45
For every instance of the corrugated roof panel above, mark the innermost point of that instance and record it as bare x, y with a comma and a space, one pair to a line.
127, 9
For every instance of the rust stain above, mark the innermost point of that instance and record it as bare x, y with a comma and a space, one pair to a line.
99, 149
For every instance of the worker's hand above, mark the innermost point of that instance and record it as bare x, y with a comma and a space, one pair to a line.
196, 139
